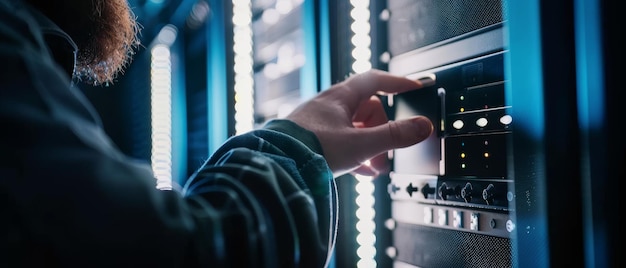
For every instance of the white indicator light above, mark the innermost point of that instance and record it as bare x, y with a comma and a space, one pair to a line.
457, 220
428, 215
474, 222
458, 124
443, 217
481, 122
510, 226
505, 120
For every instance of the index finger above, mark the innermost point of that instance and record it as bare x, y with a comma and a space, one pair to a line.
379, 82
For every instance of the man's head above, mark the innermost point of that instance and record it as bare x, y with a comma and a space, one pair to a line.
105, 32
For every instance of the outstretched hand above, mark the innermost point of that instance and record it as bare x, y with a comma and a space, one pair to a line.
352, 126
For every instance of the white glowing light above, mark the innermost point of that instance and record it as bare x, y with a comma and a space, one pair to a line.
506, 120
161, 103
284, 6
270, 16
361, 39
167, 35
242, 48
458, 124
365, 213
482, 122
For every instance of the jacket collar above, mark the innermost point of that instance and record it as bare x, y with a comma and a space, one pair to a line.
60, 44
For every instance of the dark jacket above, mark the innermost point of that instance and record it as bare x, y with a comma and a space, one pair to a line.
71, 198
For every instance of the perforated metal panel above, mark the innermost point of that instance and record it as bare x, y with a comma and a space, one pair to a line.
434, 247
416, 24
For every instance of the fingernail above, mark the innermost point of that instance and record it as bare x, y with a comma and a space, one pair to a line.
424, 127
427, 80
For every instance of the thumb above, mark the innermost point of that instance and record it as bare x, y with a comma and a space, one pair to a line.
349, 151
401, 133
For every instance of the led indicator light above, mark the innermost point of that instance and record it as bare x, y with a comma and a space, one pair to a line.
481, 122
506, 119
458, 124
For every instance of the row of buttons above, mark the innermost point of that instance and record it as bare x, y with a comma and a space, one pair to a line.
458, 219
482, 122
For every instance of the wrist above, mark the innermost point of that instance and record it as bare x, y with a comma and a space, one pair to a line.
296, 131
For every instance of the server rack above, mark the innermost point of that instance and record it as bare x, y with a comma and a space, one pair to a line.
521, 113
451, 193
286, 41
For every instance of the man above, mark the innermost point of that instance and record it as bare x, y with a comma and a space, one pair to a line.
70, 198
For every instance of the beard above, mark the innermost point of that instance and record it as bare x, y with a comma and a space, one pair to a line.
105, 32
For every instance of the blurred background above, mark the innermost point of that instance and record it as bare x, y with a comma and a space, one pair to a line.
209, 69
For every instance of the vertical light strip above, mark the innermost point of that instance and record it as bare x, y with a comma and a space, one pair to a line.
219, 82
361, 39
524, 92
161, 103
244, 80
365, 225
592, 119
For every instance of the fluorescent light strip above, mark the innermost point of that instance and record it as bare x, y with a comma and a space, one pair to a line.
244, 80
161, 103
361, 40
365, 225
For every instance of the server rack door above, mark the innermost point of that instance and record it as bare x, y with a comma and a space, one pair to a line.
517, 171
451, 195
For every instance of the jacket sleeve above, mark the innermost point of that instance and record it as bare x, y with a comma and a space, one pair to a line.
272, 195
